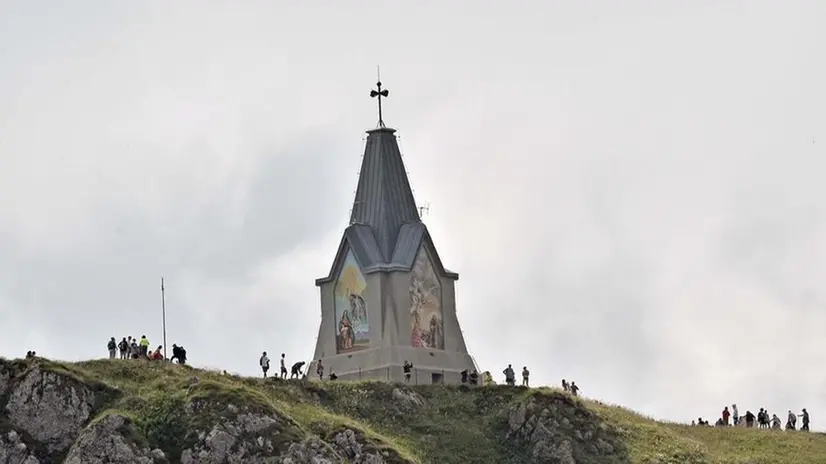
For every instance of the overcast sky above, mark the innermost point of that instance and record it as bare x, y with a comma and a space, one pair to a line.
632, 192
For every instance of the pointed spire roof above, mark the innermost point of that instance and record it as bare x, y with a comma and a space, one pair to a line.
384, 200
385, 231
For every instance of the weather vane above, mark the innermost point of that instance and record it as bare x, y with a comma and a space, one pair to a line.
379, 93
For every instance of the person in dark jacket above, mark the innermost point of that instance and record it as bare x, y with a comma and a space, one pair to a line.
295, 371
179, 354
113, 348
123, 347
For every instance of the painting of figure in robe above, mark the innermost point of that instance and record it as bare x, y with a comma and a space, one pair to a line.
426, 329
352, 322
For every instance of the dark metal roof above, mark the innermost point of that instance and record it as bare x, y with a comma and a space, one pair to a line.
360, 239
407, 244
384, 200
385, 231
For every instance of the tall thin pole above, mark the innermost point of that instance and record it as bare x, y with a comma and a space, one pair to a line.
163, 311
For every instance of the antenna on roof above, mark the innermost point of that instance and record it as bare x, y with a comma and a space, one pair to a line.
379, 93
424, 209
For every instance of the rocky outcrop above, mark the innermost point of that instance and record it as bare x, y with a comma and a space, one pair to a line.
50, 408
113, 439
8, 371
14, 451
310, 451
407, 399
248, 438
557, 431
347, 445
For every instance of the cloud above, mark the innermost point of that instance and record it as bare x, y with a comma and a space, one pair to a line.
632, 196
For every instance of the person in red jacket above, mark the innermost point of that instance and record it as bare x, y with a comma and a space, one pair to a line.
726, 415
157, 355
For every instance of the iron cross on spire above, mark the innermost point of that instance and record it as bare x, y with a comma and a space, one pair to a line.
379, 93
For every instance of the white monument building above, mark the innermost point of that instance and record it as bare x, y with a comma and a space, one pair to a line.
387, 298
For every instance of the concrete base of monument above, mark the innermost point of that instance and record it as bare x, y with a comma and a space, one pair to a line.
385, 363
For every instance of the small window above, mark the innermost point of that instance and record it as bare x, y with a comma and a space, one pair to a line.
436, 377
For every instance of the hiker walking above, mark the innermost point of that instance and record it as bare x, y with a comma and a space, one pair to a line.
113, 347
565, 385
178, 353
525, 374
283, 367
320, 370
574, 388
735, 415
805, 416
264, 362
762, 419
791, 420
726, 415
749, 419
776, 422
123, 347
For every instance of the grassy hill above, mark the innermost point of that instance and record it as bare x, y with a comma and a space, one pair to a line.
421, 424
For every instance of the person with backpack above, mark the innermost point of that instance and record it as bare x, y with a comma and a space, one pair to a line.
178, 353
113, 346
123, 347
791, 421
264, 362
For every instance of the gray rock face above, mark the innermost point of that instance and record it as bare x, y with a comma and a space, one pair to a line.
346, 444
408, 399
5, 376
559, 433
259, 438
50, 408
311, 451
112, 440
246, 439
45, 414
14, 451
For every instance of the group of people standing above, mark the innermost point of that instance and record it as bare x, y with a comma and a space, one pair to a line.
295, 370
510, 379
132, 348
762, 419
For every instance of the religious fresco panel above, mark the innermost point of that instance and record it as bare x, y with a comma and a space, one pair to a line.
352, 326
427, 330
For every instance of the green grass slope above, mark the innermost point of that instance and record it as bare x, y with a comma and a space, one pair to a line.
455, 424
